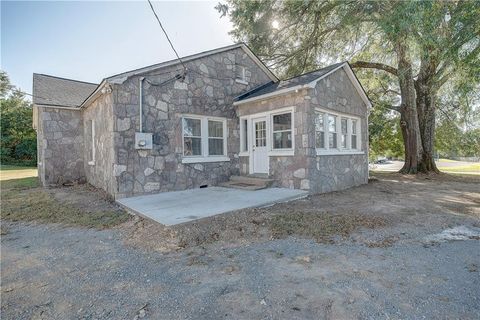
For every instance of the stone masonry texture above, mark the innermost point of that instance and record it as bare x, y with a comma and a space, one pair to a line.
66, 149
208, 89
305, 170
60, 151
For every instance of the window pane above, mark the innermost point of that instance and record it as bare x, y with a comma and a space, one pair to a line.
354, 126
192, 146
332, 123
332, 140
320, 139
282, 122
319, 122
245, 135
354, 141
344, 126
215, 147
282, 140
260, 134
215, 129
192, 127
344, 141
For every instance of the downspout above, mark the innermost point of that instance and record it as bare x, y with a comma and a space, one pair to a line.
140, 103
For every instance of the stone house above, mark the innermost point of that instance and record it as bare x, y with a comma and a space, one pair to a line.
174, 126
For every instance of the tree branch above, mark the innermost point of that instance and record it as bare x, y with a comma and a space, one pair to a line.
375, 65
394, 108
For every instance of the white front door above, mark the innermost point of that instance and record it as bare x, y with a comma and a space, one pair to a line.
260, 155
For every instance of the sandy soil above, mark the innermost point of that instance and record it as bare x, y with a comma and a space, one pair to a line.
415, 256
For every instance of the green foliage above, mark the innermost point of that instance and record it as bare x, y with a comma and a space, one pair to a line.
18, 142
442, 37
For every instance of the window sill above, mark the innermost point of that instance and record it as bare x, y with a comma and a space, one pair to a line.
91, 163
244, 154
205, 159
241, 81
337, 152
280, 153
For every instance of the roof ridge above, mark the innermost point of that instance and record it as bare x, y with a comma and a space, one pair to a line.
316, 70
228, 47
61, 78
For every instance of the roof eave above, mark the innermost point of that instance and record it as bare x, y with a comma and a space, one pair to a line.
272, 94
312, 85
94, 95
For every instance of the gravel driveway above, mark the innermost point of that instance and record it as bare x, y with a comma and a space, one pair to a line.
407, 270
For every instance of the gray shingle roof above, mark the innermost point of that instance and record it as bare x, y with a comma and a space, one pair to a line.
50, 90
288, 83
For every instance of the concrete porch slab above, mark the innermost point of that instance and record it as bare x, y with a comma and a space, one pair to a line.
170, 208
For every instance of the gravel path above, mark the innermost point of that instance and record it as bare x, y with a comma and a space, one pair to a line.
53, 272
49, 272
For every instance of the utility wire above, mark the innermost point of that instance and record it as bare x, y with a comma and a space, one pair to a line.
166, 35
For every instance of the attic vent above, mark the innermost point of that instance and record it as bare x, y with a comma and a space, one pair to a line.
240, 74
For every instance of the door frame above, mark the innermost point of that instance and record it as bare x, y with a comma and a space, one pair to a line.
249, 128
253, 141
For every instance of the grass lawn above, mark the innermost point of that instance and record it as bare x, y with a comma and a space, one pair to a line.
471, 168
22, 199
8, 172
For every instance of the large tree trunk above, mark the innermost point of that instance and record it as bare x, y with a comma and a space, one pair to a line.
408, 111
426, 95
426, 121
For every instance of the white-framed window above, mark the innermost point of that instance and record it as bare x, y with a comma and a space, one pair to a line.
91, 133
282, 131
344, 130
216, 138
240, 74
204, 139
320, 130
336, 133
332, 131
354, 137
192, 137
244, 135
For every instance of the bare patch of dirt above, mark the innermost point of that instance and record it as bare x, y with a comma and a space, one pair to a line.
389, 200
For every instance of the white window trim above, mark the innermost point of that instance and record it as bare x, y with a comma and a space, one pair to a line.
269, 118
205, 157
244, 153
339, 150
282, 151
92, 161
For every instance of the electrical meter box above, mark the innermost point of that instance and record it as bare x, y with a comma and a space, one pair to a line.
143, 141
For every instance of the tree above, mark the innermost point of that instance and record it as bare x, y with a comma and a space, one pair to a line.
421, 44
18, 142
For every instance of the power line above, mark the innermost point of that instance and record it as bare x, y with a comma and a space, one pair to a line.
166, 35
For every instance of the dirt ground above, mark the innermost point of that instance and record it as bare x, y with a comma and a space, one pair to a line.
397, 248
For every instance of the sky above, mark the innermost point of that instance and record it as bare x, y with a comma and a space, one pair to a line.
91, 40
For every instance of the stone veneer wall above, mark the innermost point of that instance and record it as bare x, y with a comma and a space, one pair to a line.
305, 170
208, 89
60, 146
288, 171
336, 172
100, 174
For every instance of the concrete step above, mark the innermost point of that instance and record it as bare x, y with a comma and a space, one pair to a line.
247, 183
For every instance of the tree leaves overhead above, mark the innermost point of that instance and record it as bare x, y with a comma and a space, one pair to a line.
442, 39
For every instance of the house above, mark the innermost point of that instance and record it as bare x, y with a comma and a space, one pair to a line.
175, 126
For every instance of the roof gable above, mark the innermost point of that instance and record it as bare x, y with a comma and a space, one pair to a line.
119, 78
54, 91
307, 80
